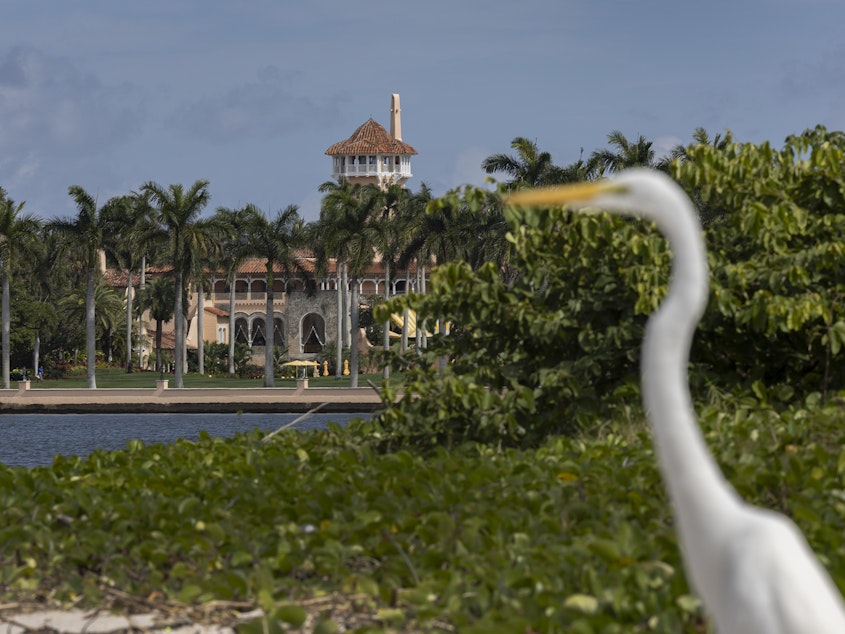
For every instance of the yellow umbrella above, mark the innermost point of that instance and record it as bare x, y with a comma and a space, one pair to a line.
301, 363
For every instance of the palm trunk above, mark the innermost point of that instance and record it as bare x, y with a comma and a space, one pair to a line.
90, 332
142, 333
406, 311
232, 328
441, 326
36, 354
386, 337
339, 337
353, 353
178, 334
159, 360
347, 329
129, 294
200, 328
269, 330
6, 318
420, 322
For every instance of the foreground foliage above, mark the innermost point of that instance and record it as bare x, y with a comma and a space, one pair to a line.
555, 344
573, 536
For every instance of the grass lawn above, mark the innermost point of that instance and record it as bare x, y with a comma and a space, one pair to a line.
118, 378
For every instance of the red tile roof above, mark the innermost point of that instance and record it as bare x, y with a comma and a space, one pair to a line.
216, 311
250, 266
370, 138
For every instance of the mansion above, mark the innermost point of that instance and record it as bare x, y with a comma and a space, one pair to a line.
303, 323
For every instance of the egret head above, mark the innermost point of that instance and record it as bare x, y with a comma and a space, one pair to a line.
634, 192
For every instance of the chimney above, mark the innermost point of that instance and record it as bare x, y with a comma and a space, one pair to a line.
395, 117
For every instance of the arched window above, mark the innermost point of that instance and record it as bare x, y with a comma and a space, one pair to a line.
313, 333
241, 330
258, 338
279, 333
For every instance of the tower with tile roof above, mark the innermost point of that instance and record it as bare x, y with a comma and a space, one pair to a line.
372, 156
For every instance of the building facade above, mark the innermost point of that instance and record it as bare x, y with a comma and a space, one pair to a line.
303, 323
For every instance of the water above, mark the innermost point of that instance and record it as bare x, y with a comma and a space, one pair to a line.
31, 440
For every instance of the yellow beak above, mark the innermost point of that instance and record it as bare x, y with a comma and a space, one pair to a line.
559, 195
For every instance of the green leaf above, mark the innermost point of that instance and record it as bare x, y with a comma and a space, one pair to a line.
293, 614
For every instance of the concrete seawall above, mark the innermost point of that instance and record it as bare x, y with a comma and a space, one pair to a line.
163, 399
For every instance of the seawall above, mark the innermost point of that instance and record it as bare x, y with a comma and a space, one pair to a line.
163, 399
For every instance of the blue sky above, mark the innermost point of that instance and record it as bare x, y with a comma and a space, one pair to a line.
108, 94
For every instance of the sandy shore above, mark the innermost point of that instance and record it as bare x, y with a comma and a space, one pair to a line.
162, 399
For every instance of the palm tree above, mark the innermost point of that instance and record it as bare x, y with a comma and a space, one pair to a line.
626, 154
189, 238
321, 239
40, 291
530, 166
346, 217
159, 298
108, 308
86, 233
392, 231
708, 212
18, 238
127, 218
276, 241
234, 251
411, 213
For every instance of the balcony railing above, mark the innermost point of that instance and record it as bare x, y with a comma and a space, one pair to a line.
371, 170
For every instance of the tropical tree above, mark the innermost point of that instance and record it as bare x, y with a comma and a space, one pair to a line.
275, 240
108, 309
235, 249
622, 155
188, 239
777, 258
18, 238
700, 137
159, 297
87, 235
127, 218
320, 235
349, 232
465, 224
709, 210
390, 240
529, 166
36, 299
412, 212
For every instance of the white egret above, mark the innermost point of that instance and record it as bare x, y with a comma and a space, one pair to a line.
752, 567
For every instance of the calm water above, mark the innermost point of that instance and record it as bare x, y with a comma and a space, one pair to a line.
31, 440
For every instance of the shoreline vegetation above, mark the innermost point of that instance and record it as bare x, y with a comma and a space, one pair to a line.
115, 378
